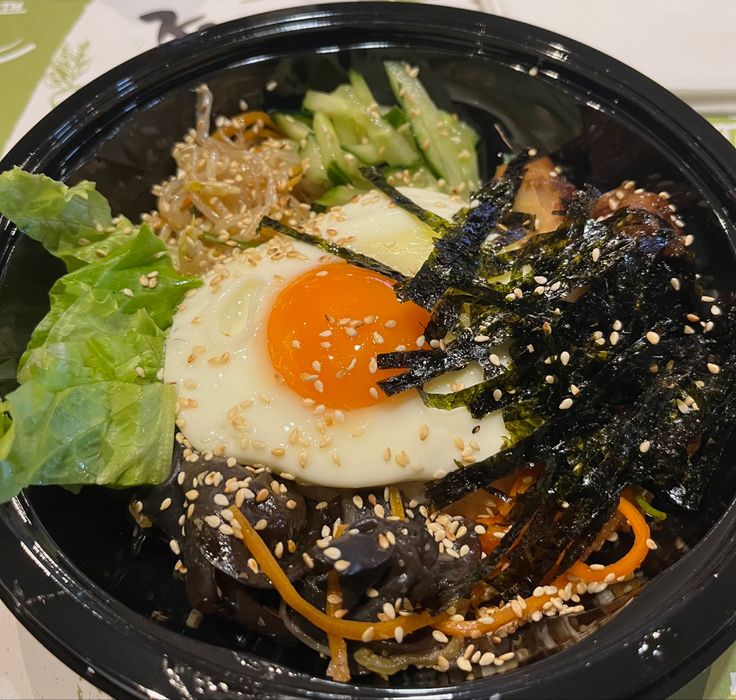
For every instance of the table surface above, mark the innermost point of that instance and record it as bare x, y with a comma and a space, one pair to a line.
50, 48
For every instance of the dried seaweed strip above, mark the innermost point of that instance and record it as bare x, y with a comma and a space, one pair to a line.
357, 259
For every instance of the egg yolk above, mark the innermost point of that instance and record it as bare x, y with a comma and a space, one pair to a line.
326, 328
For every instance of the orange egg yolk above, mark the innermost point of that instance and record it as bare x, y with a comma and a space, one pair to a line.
326, 328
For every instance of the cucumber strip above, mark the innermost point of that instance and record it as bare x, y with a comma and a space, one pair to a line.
416, 177
348, 132
315, 175
294, 128
334, 197
395, 117
341, 167
393, 148
430, 128
365, 152
361, 91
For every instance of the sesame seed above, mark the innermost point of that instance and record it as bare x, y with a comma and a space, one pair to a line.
566, 403
688, 330
373, 365
220, 499
373, 392
715, 310
333, 553
540, 280
689, 240
652, 337
713, 368
262, 524
368, 634
308, 560
291, 504
494, 359
192, 495
174, 546
597, 251
341, 565
614, 338
399, 634
497, 394
644, 446
463, 664
651, 544
675, 284
420, 341
617, 325
165, 504
564, 357
487, 658
440, 636
389, 611
390, 323
128, 292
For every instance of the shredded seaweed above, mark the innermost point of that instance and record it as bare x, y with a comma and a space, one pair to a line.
618, 367
357, 259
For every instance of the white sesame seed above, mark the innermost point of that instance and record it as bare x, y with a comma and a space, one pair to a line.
651, 544
220, 499
564, 357
368, 634
644, 446
597, 252
713, 368
617, 325
494, 359
688, 330
675, 284
497, 394
399, 634
614, 338
373, 392
174, 546
715, 310
165, 504
333, 553
566, 403
128, 292
652, 337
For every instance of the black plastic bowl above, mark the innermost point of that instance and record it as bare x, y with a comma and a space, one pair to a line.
69, 571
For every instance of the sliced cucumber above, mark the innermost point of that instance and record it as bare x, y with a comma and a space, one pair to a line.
314, 179
434, 134
418, 177
392, 147
341, 167
366, 153
293, 127
336, 196
361, 92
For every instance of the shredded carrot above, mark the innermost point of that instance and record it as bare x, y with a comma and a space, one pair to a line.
394, 500
504, 616
631, 561
338, 668
347, 629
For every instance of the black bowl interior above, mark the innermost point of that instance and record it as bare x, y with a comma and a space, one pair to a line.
593, 115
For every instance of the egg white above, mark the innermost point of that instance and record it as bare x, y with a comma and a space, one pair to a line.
232, 403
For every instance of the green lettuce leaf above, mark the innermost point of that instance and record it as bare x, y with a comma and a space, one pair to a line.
91, 408
110, 433
63, 218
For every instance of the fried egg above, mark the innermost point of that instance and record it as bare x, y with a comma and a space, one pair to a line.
274, 358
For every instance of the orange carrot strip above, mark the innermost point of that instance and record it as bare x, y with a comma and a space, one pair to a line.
632, 560
476, 628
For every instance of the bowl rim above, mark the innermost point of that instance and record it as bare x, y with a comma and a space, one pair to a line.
35, 565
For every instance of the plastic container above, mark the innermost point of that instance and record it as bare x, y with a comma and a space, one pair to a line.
69, 571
